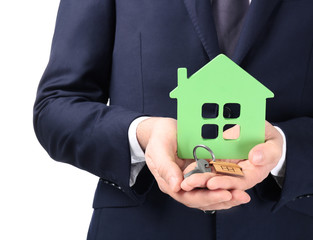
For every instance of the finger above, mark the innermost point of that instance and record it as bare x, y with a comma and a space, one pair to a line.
201, 197
197, 180
238, 197
252, 176
228, 182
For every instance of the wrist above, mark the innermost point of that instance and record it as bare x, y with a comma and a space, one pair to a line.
143, 131
150, 127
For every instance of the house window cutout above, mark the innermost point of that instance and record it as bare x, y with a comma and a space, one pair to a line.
231, 110
209, 110
209, 131
231, 131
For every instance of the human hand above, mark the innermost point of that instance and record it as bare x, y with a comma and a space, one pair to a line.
262, 159
157, 136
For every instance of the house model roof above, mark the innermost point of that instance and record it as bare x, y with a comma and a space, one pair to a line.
219, 84
219, 78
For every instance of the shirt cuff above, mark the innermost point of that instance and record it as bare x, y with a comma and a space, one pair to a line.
279, 170
136, 153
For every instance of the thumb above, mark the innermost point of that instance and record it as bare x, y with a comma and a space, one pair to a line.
270, 151
161, 154
256, 155
165, 169
171, 173
266, 153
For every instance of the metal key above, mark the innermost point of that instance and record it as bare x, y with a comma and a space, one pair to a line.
202, 165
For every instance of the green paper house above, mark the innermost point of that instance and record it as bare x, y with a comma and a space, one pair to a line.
218, 96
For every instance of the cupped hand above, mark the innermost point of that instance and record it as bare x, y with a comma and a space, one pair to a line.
157, 137
262, 159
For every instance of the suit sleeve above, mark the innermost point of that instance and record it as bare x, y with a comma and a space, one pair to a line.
298, 180
71, 118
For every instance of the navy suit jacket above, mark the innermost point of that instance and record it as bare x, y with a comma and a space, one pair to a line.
129, 52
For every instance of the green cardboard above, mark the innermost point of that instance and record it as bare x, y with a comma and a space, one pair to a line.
219, 82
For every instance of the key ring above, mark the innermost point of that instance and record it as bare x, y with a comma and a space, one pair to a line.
202, 165
205, 147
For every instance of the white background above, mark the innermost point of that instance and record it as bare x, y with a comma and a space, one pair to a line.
40, 199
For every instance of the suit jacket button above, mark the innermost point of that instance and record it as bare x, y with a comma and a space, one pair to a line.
210, 212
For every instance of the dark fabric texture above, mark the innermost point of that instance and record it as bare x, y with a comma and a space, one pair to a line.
129, 52
228, 17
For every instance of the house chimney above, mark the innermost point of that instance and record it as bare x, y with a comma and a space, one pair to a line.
181, 74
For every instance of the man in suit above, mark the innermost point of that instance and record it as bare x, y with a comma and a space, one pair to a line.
129, 51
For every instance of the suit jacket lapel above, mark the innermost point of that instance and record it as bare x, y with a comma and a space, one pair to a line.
201, 16
256, 19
